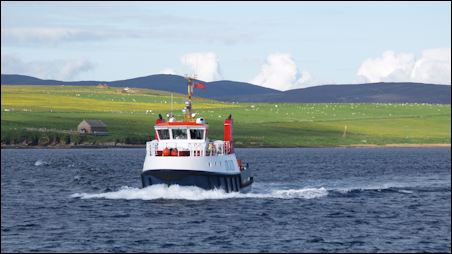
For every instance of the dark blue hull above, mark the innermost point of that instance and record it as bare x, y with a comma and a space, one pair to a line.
201, 179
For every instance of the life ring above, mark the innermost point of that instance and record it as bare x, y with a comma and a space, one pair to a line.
166, 152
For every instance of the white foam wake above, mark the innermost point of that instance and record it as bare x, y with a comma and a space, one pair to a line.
161, 191
41, 162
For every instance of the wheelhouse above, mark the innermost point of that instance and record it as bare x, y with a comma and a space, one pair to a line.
173, 132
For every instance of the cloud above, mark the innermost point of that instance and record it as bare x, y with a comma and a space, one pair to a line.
54, 35
280, 72
305, 78
390, 66
433, 67
57, 69
71, 68
168, 71
51, 36
204, 64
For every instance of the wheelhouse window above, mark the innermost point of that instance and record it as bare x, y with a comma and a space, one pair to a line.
179, 133
163, 134
196, 134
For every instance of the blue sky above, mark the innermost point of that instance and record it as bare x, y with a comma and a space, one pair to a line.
282, 45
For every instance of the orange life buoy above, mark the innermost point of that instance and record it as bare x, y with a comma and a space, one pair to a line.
174, 152
166, 152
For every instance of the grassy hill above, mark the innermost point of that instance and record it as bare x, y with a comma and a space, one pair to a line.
233, 91
49, 115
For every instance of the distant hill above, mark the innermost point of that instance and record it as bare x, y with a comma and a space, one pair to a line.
14, 79
165, 82
362, 93
244, 92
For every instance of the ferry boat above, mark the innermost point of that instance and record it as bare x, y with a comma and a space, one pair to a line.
183, 154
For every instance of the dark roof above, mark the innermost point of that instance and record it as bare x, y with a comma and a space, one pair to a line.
95, 123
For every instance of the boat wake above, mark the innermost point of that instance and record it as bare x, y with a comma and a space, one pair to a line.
162, 191
264, 191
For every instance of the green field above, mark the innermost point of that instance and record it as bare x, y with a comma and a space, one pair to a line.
47, 115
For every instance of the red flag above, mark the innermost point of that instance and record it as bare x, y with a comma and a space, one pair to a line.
200, 85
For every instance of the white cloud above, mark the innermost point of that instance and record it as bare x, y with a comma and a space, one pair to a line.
168, 71
204, 64
51, 36
305, 78
390, 66
54, 35
280, 72
71, 68
433, 67
57, 69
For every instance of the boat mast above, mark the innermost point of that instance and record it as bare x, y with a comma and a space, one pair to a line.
188, 109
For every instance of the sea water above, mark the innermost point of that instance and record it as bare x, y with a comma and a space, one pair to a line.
303, 200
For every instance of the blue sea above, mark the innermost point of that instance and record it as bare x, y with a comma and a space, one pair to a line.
303, 200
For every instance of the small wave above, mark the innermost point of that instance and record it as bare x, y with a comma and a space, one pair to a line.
161, 191
41, 162
397, 187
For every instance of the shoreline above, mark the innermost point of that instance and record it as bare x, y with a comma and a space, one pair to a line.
144, 146
398, 145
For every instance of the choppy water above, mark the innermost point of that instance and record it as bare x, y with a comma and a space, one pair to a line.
303, 200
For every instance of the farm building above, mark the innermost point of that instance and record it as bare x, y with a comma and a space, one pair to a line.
102, 86
92, 127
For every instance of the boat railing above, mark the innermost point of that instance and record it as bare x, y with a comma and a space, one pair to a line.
152, 147
215, 148
218, 147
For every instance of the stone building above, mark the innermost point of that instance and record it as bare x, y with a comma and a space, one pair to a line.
96, 127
